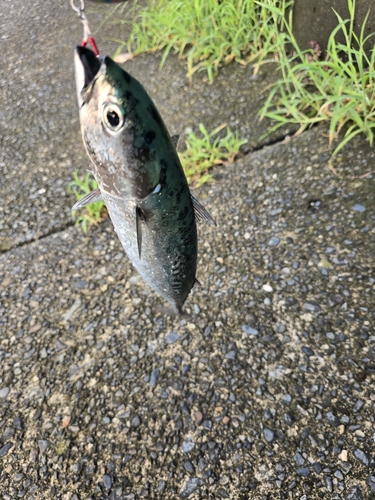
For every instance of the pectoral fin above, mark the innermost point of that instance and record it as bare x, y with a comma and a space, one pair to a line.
139, 218
95, 195
201, 213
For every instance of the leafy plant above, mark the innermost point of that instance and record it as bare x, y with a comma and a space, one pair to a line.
93, 213
339, 89
204, 152
208, 33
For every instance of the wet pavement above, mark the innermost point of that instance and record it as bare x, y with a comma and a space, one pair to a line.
40, 140
266, 391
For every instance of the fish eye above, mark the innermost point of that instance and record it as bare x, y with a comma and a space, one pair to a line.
113, 116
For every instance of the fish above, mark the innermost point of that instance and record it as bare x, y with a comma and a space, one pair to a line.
140, 178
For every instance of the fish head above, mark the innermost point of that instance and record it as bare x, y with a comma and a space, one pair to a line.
119, 137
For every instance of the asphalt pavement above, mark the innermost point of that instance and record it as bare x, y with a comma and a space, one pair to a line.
266, 389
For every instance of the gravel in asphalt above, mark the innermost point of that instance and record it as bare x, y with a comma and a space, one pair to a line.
265, 391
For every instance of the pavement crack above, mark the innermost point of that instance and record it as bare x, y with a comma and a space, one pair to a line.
23, 243
272, 142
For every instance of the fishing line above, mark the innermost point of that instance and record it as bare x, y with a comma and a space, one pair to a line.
87, 36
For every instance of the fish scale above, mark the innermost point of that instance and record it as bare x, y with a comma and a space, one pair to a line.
139, 175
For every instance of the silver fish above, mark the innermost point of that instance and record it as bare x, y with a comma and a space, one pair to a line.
139, 175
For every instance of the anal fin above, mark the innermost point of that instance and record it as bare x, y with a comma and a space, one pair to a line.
92, 197
139, 218
201, 213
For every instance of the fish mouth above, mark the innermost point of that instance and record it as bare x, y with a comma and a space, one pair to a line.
87, 66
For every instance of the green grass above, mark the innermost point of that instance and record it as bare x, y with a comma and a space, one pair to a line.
93, 213
206, 151
338, 90
207, 33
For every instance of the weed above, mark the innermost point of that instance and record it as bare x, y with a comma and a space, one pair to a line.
339, 89
207, 33
93, 213
204, 152
62, 447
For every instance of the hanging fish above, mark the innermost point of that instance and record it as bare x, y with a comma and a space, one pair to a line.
139, 175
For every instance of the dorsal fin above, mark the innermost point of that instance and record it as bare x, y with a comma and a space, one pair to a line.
175, 139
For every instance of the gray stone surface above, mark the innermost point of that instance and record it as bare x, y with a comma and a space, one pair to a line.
112, 396
316, 20
266, 390
40, 141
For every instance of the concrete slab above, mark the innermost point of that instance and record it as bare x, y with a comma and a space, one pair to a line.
266, 391
40, 142
315, 21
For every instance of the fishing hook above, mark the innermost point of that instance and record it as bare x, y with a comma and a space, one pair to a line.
87, 37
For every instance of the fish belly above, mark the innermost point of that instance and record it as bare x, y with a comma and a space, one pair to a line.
158, 253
